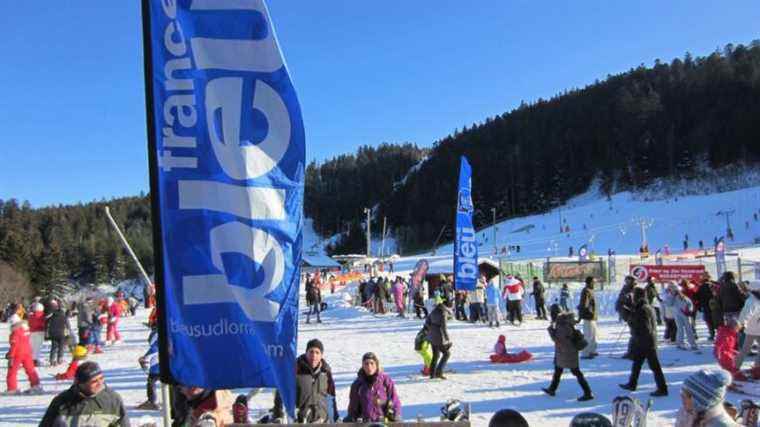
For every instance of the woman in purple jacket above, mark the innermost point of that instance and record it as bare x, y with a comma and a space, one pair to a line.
373, 395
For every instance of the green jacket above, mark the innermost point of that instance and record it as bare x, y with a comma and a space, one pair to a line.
104, 409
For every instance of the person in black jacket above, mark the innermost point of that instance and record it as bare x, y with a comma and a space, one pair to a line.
623, 306
57, 329
587, 312
314, 299
438, 334
704, 296
731, 297
538, 298
644, 333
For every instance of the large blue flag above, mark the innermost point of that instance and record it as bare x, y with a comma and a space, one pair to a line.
465, 246
227, 155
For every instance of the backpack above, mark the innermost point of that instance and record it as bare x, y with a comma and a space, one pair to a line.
578, 340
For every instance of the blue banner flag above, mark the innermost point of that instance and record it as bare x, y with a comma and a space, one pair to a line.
465, 246
226, 147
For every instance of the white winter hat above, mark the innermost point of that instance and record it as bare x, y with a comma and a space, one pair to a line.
109, 300
14, 320
754, 285
37, 307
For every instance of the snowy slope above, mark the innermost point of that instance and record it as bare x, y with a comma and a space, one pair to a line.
614, 224
349, 332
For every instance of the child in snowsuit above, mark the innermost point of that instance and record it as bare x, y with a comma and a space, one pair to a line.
20, 354
37, 330
149, 363
681, 307
501, 355
79, 355
114, 314
100, 322
725, 349
424, 349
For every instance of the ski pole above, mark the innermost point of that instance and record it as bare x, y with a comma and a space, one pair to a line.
617, 341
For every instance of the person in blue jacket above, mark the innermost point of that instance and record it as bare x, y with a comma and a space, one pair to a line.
149, 363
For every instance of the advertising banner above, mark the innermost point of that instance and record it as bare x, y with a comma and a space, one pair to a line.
666, 273
465, 246
226, 150
574, 271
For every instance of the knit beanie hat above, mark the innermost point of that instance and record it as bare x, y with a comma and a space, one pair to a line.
315, 343
507, 418
87, 371
707, 387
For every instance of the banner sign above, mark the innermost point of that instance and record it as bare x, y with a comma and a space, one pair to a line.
227, 153
465, 246
665, 273
419, 272
720, 256
573, 271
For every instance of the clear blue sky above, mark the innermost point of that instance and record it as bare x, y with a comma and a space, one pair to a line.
72, 121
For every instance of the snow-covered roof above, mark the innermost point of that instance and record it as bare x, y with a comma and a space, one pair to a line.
318, 260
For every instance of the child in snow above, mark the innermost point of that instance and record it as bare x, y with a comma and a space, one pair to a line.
20, 354
681, 308
725, 349
37, 330
114, 314
78, 356
501, 355
149, 363
423, 348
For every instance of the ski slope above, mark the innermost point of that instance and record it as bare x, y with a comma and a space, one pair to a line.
348, 332
614, 223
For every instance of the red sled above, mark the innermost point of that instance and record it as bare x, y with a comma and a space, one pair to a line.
520, 357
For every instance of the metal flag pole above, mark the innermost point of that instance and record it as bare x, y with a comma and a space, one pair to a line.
146, 279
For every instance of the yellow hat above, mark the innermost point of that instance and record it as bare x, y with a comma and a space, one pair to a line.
80, 352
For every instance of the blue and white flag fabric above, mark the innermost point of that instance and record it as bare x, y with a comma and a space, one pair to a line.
720, 256
227, 178
465, 246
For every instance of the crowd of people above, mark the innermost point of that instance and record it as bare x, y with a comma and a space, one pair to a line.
731, 312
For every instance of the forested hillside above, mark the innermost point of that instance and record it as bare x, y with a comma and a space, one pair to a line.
626, 131
669, 120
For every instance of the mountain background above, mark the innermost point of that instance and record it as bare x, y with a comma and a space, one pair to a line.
628, 132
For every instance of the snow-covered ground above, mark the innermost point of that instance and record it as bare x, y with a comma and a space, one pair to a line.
614, 223
348, 332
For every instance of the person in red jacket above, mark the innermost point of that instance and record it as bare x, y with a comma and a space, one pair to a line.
20, 354
37, 330
114, 313
79, 355
725, 349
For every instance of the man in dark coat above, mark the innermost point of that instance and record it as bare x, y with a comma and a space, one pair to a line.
644, 331
587, 311
624, 306
438, 334
731, 297
538, 298
84, 320
315, 388
704, 296
88, 402
57, 327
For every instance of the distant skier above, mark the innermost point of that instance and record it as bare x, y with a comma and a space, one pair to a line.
493, 297
564, 297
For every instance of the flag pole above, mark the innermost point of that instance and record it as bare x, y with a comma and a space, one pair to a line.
158, 244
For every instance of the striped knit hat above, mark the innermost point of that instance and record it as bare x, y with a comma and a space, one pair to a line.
707, 387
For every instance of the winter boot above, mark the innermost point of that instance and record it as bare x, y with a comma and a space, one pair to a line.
755, 373
586, 397
35, 390
426, 371
148, 406
549, 391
